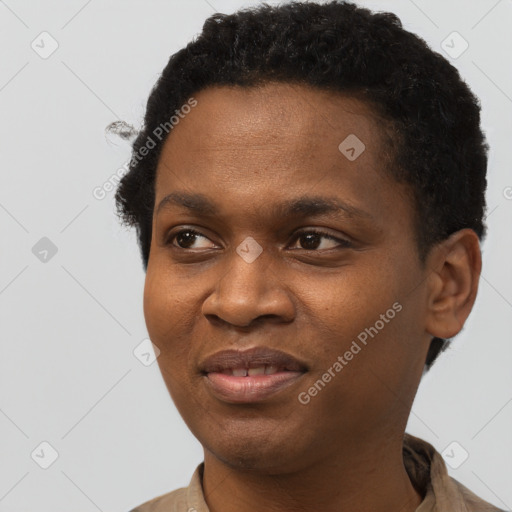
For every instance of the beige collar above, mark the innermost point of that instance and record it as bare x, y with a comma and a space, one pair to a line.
424, 465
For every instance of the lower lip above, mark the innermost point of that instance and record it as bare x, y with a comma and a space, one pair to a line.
250, 389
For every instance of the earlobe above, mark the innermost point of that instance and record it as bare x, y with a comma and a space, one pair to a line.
455, 266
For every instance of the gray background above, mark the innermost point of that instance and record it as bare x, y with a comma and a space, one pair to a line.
69, 324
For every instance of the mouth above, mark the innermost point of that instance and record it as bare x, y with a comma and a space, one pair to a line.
251, 375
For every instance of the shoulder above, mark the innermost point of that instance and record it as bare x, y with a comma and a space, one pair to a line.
473, 502
170, 502
186, 499
427, 470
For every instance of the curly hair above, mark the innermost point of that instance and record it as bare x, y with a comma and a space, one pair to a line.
439, 150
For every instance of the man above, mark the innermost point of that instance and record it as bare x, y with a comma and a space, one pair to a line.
308, 193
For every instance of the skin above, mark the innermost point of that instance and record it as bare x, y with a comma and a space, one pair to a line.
246, 150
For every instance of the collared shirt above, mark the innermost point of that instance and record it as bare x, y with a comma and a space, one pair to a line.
424, 465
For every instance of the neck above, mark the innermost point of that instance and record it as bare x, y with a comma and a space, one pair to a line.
364, 476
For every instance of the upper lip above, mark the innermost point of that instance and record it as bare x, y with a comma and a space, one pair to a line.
250, 358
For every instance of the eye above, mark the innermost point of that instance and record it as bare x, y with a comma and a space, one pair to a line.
311, 239
186, 238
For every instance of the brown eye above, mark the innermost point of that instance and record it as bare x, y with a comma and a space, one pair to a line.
311, 240
186, 238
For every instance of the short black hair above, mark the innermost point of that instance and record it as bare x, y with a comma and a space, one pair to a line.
439, 149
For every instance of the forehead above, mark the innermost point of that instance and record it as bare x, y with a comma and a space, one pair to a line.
279, 109
252, 151
254, 126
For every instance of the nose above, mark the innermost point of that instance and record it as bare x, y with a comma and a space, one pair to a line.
249, 292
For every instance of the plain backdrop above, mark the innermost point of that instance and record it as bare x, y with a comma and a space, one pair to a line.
75, 394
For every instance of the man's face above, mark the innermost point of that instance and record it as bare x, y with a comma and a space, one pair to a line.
329, 286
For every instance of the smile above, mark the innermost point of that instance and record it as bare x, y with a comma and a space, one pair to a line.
250, 376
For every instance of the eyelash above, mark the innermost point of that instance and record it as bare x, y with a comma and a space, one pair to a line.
342, 242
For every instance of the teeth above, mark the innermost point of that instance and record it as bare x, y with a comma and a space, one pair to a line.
256, 371
244, 372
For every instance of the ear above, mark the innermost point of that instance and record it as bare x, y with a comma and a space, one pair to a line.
455, 265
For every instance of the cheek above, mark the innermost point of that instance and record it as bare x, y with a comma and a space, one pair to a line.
340, 307
168, 318
368, 317
165, 313
155, 304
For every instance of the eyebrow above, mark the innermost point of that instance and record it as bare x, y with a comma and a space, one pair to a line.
305, 206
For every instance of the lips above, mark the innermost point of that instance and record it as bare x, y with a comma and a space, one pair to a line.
256, 357
251, 375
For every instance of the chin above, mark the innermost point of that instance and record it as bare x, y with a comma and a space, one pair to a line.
250, 458
252, 449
